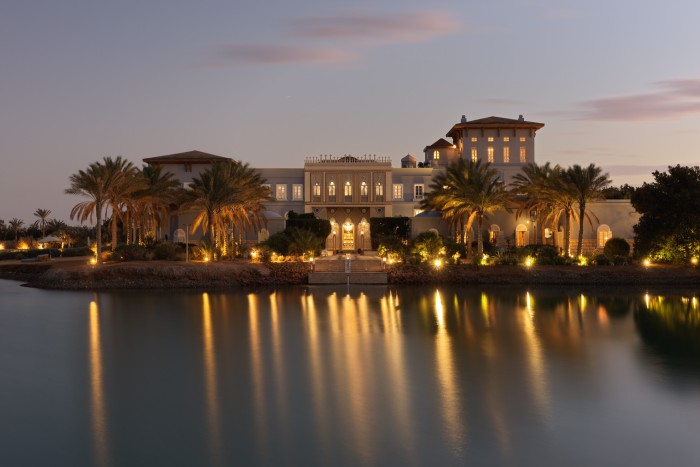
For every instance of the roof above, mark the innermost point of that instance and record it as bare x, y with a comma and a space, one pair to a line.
191, 157
408, 157
441, 143
493, 122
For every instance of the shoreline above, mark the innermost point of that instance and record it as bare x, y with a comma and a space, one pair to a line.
76, 275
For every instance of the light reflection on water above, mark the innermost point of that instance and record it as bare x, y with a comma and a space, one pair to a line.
324, 376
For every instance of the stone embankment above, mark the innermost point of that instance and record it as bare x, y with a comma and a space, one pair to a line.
225, 275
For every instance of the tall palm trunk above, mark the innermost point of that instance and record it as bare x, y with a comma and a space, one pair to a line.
98, 248
581, 213
479, 236
114, 228
567, 234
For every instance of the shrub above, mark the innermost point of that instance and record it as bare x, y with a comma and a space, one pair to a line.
428, 245
132, 253
505, 260
392, 248
167, 252
279, 243
619, 260
616, 247
454, 250
601, 260
548, 255
79, 251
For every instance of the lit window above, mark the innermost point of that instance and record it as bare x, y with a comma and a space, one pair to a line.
398, 191
489, 153
317, 190
418, 191
523, 155
331, 191
364, 191
490, 139
436, 155
522, 139
473, 139
506, 139
281, 192
379, 191
506, 155
347, 190
474, 154
298, 192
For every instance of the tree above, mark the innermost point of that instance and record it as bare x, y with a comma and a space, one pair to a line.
93, 183
43, 215
153, 202
126, 182
228, 193
16, 225
586, 184
531, 187
468, 192
669, 225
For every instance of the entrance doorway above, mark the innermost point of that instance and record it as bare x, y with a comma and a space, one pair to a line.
348, 235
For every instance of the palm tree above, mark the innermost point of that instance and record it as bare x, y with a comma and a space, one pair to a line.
586, 184
469, 191
226, 193
534, 183
42, 214
93, 183
16, 224
120, 193
152, 203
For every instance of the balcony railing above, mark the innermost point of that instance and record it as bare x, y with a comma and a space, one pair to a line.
347, 159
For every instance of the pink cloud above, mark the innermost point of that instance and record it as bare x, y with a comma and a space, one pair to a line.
674, 99
417, 26
255, 54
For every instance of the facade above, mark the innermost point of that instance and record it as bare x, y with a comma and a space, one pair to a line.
349, 190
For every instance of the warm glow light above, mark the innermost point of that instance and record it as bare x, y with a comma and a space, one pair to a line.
582, 261
253, 254
529, 261
484, 260
647, 262
93, 260
437, 263
206, 259
2, 246
646, 299
22, 245
694, 261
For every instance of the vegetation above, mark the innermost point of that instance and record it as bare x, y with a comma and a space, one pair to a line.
616, 247
585, 184
382, 228
669, 227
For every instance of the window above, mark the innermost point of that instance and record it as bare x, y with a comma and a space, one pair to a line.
523, 155
379, 192
489, 152
474, 154
398, 191
604, 234
364, 191
298, 192
331, 191
436, 155
317, 191
490, 139
506, 155
522, 139
506, 139
418, 191
348, 191
473, 139
281, 192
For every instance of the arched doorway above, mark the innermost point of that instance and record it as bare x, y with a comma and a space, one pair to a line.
521, 238
604, 234
263, 235
494, 234
364, 240
348, 235
332, 240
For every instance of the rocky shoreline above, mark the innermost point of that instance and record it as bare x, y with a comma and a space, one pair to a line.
227, 275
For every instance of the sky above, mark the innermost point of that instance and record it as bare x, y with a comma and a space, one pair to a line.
616, 82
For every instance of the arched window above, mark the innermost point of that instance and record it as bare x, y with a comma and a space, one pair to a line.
379, 192
263, 235
317, 191
604, 234
348, 191
331, 191
494, 234
364, 191
436, 155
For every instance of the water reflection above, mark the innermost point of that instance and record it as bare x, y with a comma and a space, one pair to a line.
210, 382
670, 328
99, 411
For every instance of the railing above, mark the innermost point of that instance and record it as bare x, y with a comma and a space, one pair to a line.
347, 159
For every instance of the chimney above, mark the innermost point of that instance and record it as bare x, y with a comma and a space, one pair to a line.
464, 119
520, 118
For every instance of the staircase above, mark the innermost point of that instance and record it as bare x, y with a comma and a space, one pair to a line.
357, 270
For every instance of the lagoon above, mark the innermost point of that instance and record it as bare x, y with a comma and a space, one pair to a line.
306, 376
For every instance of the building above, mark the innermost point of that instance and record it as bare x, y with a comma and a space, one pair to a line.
349, 190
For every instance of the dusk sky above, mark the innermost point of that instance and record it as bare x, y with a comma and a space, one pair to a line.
616, 82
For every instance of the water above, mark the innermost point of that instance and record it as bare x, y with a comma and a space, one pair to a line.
376, 376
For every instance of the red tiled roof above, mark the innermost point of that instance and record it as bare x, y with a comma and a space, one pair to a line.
493, 122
